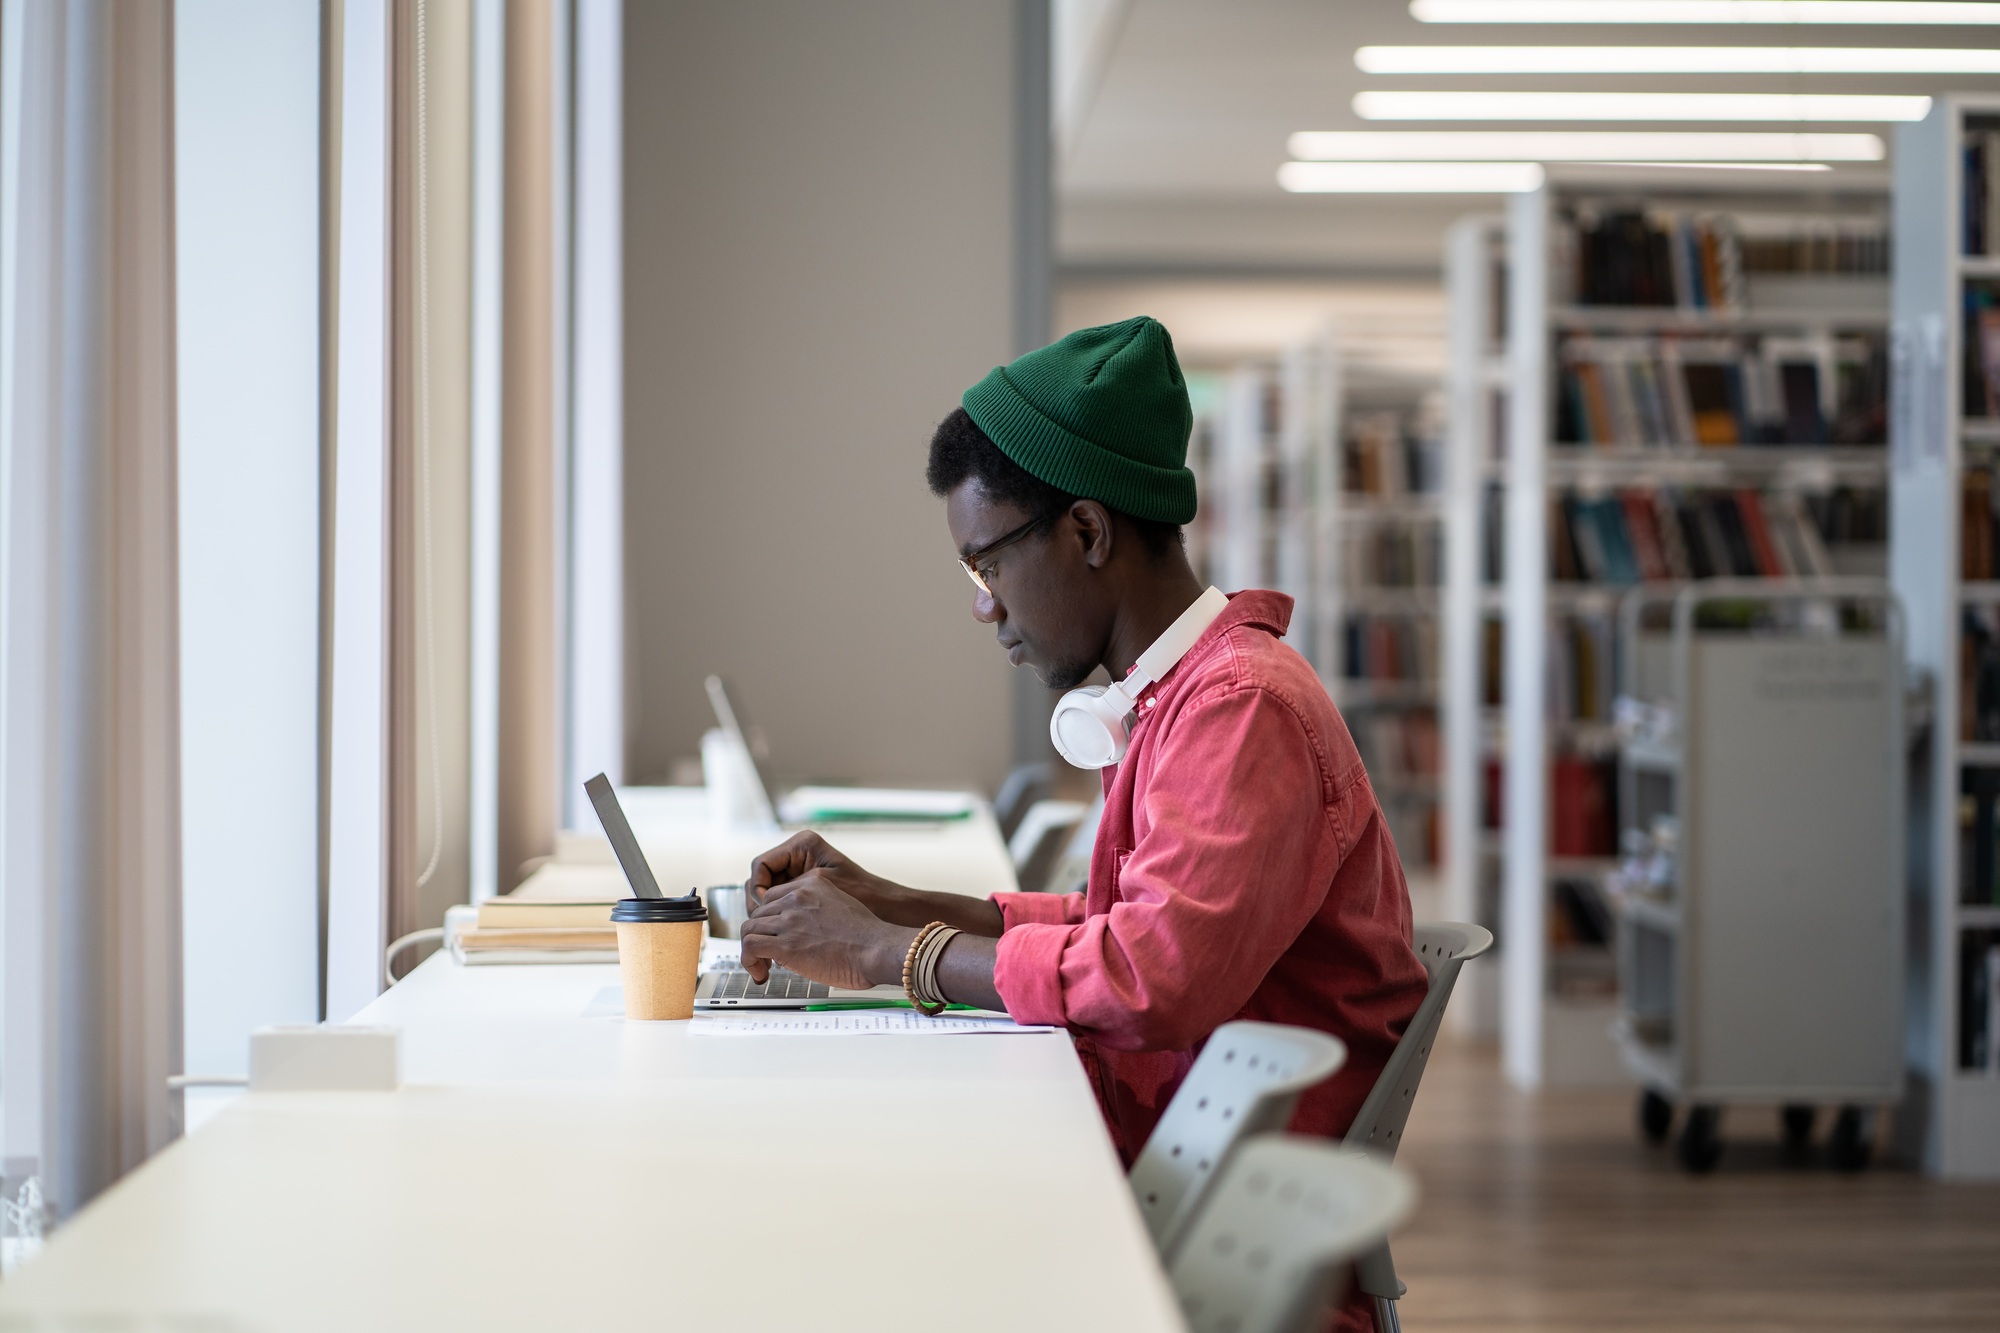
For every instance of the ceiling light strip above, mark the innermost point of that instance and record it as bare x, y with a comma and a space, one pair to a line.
1410, 177
1582, 146
1721, 166
1914, 13
1673, 60
1378, 105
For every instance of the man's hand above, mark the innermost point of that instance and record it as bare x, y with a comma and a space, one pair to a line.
812, 926
816, 912
807, 854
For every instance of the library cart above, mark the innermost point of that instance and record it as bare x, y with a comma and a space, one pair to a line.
1760, 917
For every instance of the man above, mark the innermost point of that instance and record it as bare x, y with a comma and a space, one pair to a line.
1242, 867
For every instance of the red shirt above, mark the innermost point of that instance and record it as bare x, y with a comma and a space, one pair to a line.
1242, 870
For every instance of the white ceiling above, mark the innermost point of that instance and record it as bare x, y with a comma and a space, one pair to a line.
1391, 332
1177, 112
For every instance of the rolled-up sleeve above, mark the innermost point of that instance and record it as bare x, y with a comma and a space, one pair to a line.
1020, 909
1238, 850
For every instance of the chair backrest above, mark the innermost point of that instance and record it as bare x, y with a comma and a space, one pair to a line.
1270, 1247
1071, 872
1019, 790
1039, 839
1442, 947
1244, 1082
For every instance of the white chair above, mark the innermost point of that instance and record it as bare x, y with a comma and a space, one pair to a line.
1270, 1248
1442, 947
1039, 839
1071, 873
1244, 1082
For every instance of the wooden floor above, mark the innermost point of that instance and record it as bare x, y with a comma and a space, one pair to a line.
1549, 1212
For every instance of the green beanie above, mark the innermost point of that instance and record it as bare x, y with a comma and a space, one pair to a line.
1102, 413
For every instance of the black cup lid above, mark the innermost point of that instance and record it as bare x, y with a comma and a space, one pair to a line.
687, 908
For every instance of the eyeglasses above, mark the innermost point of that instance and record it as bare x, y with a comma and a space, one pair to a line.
971, 563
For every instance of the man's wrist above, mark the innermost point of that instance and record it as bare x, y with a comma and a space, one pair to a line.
885, 960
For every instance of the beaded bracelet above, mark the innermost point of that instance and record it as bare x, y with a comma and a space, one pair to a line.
927, 964
910, 973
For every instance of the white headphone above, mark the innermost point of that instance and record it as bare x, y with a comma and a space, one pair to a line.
1089, 726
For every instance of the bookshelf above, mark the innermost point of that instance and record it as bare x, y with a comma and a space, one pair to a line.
1475, 408
1339, 504
1942, 565
1386, 600
1696, 387
1265, 454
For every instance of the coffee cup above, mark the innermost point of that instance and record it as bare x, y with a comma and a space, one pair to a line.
659, 954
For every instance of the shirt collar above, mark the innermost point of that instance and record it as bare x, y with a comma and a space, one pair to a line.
1256, 606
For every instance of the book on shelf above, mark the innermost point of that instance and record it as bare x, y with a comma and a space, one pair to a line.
1493, 536
1492, 659
1583, 806
1399, 748
1580, 684
1979, 674
1390, 647
1391, 454
1980, 201
1672, 392
1979, 838
1653, 534
1393, 555
1979, 1000
1980, 386
1977, 525
1703, 260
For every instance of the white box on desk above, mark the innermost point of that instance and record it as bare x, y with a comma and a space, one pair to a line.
325, 1057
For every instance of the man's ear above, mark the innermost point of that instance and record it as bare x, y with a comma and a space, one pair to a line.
1093, 524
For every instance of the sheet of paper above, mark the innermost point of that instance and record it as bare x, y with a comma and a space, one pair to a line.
853, 1023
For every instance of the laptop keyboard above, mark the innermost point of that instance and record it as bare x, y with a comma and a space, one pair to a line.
735, 984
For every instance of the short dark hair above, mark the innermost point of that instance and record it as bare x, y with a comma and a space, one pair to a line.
961, 452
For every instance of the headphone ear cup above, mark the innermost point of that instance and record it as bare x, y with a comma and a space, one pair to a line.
1088, 727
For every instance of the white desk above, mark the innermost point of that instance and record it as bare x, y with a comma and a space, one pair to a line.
542, 1170
687, 849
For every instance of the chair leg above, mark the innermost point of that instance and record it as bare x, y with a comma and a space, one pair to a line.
1385, 1316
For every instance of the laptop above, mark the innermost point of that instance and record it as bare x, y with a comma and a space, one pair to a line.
806, 806
724, 983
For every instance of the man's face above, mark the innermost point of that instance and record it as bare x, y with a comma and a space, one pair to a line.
1038, 603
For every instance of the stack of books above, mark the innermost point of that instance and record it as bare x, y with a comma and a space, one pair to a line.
1406, 555
513, 930
1669, 393
1649, 535
1383, 455
1390, 647
1700, 261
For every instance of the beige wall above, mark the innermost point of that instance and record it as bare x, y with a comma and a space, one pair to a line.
818, 252
444, 628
